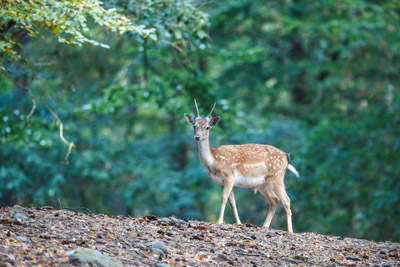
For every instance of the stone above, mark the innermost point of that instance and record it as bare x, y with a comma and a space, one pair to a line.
162, 265
177, 221
290, 260
86, 256
22, 238
159, 248
18, 208
351, 258
264, 245
384, 264
221, 257
21, 217
394, 253
243, 236
158, 251
164, 220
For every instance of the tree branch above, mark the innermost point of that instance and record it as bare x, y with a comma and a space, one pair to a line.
32, 109
61, 126
7, 25
19, 34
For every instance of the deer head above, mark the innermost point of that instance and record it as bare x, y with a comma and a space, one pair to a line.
201, 126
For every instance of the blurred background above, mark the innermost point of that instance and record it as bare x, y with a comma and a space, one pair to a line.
317, 79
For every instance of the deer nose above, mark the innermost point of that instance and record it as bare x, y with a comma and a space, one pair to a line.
196, 137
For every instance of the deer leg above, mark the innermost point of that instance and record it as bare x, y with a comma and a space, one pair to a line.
226, 191
273, 201
233, 205
280, 191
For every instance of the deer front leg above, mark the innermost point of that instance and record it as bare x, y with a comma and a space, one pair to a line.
226, 191
232, 202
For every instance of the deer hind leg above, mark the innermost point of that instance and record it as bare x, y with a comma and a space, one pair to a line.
280, 191
226, 192
233, 205
273, 201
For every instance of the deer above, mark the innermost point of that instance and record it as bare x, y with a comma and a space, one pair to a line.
257, 166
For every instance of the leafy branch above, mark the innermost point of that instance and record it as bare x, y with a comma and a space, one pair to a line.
67, 20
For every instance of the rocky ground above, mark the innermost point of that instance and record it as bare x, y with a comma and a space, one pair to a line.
49, 237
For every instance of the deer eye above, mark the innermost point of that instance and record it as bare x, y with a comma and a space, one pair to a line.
207, 128
194, 127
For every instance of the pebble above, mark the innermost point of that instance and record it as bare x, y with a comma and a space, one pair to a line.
22, 238
164, 220
393, 253
221, 257
198, 237
300, 257
159, 248
18, 207
353, 258
299, 237
290, 260
384, 264
158, 251
244, 236
91, 257
21, 217
162, 265
178, 221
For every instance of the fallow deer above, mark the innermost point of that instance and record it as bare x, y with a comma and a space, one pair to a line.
261, 167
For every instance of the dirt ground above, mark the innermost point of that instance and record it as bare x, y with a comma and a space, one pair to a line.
43, 236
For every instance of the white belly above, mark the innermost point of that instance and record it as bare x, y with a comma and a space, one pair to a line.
249, 182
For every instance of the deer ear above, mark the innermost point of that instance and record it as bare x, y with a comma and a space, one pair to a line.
214, 121
189, 119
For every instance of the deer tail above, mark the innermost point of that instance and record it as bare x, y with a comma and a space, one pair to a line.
290, 167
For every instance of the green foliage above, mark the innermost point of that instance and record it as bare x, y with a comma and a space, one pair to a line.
174, 20
67, 20
316, 79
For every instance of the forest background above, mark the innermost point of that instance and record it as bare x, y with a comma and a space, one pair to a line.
318, 79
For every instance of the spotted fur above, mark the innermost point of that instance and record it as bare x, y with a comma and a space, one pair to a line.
261, 167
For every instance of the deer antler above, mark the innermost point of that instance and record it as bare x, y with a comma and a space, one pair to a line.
197, 109
212, 110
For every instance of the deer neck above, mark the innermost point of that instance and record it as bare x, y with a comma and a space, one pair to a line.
205, 153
